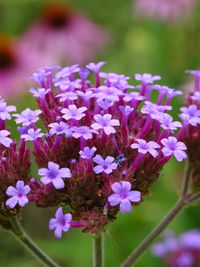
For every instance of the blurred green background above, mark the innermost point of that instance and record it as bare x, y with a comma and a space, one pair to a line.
137, 45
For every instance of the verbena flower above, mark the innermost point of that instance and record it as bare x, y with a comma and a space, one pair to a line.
4, 139
54, 175
102, 133
17, 194
123, 196
61, 223
180, 251
32, 135
173, 147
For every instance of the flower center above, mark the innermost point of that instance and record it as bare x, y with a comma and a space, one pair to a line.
7, 57
53, 174
56, 15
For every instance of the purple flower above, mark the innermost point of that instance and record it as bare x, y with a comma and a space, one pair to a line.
112, 93
147, 77
67, 96
27, 116
133, 96
68, 84
54, 174
106, 165
32, 135
60, 128
72, 112
85, 95
67, 71
4, 111
18, 194
190, 115
173, 147
4, 140
126, 110
87, 153
123, 196
153, 109
84, 73
144, 147
82, 131
167, 121
190, 239
40, 92
105, 122
104, 103
95, 66
196, 96
61, 223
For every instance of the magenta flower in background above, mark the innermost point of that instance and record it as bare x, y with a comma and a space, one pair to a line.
64, 36
123, 196
18, 194
54, 175
180, 251
163, 9
61, 223
16, 64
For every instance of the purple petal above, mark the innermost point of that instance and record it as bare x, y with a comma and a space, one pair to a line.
11, 191
20, 185
53, 166
23, 201
117, 187
45, 180
52, 223
43, 172
98, 169
58, 183
59, 214
114, 199
125, 206
12, 202
58, 232
126, 186
65, 172
180, 155
134, 196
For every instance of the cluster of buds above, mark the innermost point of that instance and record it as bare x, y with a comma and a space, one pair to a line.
105, 145
191, 136
181, 251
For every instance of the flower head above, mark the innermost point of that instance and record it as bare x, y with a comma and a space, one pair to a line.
61, 223
54, 175
123, 196
18, 194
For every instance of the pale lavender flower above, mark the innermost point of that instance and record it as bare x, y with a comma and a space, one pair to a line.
82, 131
67, 85
112, 93
146, 147
60, 128
72, 112
4, 139
123, 196
4, 111
166, 121
147, 77
95, 66
67, 71
32, 135
132, 96
61, 223
190, 239
43, 73
126, 110
27, 116
85, 95
106, 165
116, 80
17, 194
87, 153
196, 96
104, 103
40, 92
54, 175
106, 123
190, 115
67, 96
173, 147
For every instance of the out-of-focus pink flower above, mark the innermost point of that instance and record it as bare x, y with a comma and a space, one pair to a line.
163, 9
16, 63
62, 35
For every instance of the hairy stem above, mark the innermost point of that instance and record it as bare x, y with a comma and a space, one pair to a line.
98, 251
19, 233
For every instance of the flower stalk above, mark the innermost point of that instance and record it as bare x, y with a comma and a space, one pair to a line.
19, 233
98, 250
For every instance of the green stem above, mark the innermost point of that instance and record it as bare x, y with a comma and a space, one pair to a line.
186, 180
19, 233
98, 251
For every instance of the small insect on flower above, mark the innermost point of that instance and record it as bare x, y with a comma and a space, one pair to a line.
119, 160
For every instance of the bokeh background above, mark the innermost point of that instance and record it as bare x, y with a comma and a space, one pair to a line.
130, 40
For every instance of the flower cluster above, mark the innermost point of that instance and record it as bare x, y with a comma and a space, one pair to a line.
191, 128
105, 143
181, 251
14, 168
